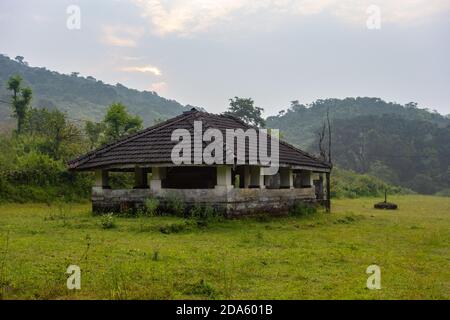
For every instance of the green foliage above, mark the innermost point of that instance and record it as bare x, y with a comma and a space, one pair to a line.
94, 132
202, 288
320, 257
348, 184
21, 99
176, 205
107, 221
203, 212
302, 209
53, 133
175, 227
27, 175
244, 108
83, 97
402, 145
118, 122
444, 193
151, 207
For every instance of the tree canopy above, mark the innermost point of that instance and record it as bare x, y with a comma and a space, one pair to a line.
118, 122
20, 101
245, 109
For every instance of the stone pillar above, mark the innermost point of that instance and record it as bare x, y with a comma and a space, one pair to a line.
328, 196
246, 177
306, 177
102, 179
256, 179
224, 176
140, 178
286, 178
157, 174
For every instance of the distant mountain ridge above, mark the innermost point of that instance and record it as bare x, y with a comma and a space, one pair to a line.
403, 145
80, 97
300, 123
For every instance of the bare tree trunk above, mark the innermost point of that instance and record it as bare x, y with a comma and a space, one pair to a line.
328, 199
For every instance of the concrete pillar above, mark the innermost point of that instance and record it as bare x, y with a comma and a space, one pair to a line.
307, 178
328, 192
140, 178
102, 179
246, 177
286, 178
157, 175
256, 179
224, 176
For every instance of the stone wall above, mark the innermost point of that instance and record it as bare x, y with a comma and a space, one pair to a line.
231, 201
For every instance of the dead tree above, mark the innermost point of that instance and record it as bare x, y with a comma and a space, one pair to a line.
326, 156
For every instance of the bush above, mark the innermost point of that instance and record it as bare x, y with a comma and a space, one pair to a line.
202, 288
203, 212
348, 184
444, 193
107, 221
175, 227
176, 205
151, 207
302, 209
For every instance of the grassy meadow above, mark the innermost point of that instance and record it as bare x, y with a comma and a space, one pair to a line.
317, 256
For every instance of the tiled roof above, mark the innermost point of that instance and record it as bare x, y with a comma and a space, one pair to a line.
154, 146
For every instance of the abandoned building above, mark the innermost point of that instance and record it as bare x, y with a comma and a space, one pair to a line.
235, 189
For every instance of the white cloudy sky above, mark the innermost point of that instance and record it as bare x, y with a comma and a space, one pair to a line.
203, 52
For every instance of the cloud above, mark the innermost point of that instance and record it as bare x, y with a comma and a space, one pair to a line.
122, 36
186, 17
144, 69
159, 87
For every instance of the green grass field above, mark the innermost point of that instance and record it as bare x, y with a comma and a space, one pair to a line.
320, 256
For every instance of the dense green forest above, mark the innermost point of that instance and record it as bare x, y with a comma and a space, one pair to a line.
402, 145
79, 97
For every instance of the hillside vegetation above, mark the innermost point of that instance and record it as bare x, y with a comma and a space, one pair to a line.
402, 145
81, 98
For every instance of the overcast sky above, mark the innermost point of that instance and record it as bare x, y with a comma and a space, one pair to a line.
203, 52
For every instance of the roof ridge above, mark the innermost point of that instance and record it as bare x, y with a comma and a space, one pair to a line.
287, 144
86, 157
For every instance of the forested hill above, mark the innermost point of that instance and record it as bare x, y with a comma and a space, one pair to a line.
403, 145
81, 98
300, 123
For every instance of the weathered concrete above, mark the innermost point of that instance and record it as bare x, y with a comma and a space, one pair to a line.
225, 198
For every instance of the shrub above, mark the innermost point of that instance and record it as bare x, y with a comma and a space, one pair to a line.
155, 255
202, 288
348, 184
203, 212
444, 193
302, 209
107, 221
176, 227
176, 205
151, 207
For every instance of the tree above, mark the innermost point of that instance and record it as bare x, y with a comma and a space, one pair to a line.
245, 109
21, 60
94, 131
21, 99
55, 135
118, 122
